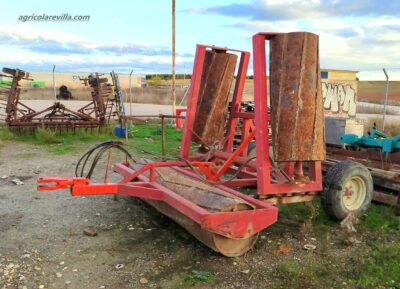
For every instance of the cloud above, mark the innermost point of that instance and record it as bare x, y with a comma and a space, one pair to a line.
276, 26
60, 42
33, 47
31, 60
303, 9
355, 35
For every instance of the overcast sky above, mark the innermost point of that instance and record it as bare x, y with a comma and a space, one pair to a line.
123, 35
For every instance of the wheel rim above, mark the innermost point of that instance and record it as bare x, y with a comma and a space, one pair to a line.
354, 193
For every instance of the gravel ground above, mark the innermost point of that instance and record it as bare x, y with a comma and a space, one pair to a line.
137, 108
43, 243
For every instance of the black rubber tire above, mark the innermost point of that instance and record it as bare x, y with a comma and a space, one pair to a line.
251, 149
251, 152
334, 182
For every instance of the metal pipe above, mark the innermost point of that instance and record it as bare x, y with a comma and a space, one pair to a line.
386, 97
162, 138
173, 60
130, 92
238, 160
54, 84
151, 115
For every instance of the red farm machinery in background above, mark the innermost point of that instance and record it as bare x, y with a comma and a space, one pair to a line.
198, 189
21, 117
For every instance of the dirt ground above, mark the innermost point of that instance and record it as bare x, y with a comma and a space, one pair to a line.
42, 244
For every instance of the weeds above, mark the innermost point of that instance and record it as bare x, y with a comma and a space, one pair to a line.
367, 265
197, 276
380, 218
147, 139
294, 274
58, 143
391, 129
46, 136
379, 268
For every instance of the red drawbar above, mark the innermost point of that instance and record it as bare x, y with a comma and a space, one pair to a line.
240, 224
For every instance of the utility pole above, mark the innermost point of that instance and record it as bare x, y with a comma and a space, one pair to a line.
130, 92
386, 98
173, 60
54, 84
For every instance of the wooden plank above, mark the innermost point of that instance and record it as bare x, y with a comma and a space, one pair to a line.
385, 198
202, 194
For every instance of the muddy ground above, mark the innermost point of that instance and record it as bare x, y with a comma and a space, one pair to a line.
42, 243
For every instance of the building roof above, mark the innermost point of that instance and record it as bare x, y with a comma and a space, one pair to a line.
340, 70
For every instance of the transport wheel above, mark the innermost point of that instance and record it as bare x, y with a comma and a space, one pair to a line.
251, 152
348, 188
251, 149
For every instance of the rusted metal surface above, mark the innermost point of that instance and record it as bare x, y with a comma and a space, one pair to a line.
95, 114
12, 92
212, 105
101, 107
296, 100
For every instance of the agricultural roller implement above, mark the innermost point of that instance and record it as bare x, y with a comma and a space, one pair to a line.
197, 190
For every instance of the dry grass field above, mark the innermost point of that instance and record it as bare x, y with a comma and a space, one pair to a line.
374, 91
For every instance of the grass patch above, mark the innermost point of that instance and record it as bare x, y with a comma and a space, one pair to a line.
380, 218
309, 211
295, 274
147, 139
196, 276
58, 143
379, 268
46, 136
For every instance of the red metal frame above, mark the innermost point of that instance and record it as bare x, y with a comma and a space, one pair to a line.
264, 184
195, 88
241, 224
270, 180
178, 120
213, 165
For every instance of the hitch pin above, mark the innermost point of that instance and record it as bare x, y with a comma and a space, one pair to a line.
55, 183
